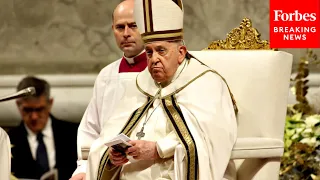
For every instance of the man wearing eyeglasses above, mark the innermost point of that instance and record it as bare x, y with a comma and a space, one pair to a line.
41, 142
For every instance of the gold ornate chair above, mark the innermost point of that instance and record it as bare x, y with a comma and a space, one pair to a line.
259, 78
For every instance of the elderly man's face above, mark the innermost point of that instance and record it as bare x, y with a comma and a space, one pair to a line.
35, 112
164, 59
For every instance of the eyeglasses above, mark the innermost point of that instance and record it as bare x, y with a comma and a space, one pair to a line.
29, 110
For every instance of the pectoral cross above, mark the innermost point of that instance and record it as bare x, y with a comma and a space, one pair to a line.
140, 134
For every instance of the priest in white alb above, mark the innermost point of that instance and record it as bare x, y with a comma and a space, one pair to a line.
179, 114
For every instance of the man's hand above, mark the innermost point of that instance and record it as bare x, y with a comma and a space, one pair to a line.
80, 176
143, 150
117, 158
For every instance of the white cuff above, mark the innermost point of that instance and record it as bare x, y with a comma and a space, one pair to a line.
81, 168
166, 147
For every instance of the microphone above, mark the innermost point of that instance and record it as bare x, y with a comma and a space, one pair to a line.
22, 93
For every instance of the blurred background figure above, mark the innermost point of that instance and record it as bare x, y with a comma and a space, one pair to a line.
41, 142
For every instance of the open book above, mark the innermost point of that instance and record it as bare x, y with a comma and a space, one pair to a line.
119, 143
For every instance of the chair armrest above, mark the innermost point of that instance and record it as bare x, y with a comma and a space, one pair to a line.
257, 148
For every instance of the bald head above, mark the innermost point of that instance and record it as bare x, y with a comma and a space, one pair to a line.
126, 5
125, 29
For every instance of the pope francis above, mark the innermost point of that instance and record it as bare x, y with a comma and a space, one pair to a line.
179, 114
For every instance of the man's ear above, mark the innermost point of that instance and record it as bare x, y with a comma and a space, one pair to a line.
182, 53
50, 103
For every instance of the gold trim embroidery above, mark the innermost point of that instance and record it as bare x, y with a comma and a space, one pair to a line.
130, 125
139, 88
235, 107
161, 36
185, 136
179, 125
213, 71
146, 11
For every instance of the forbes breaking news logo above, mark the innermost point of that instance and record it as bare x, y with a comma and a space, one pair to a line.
294, 33
294, 27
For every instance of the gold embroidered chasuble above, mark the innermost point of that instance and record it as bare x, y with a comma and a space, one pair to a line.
186, 103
